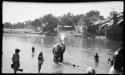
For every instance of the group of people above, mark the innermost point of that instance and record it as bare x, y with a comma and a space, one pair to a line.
16, 62
116, 63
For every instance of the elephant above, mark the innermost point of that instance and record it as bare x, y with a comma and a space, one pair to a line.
58, 51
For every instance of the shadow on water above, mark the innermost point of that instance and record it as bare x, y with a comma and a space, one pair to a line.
97, 43
57, 68
61, 67
96, 64
49, 40
68, 64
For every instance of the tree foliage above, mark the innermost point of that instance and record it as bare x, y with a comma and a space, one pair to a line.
7, 25
67, 19
36, 22
112, 13
90, 18
94, 16
50, 22
17, 25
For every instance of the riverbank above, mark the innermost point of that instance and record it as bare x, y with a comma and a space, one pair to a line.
20, 31
68, 33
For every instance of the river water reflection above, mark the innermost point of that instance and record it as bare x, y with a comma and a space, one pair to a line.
79, 51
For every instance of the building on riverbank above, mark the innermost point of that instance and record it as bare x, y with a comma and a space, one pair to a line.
64, 27
82, 29
113, 28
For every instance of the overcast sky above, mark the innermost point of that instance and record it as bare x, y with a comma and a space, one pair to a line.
23, 11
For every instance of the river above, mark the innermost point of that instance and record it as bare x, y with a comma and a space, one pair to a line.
79, 51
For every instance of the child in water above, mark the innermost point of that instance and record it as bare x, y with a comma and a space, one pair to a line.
33, 51
96, 57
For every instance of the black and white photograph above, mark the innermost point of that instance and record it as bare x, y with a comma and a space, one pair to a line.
62, 38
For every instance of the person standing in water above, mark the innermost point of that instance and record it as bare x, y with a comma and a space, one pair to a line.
96, 58
40, 61
16, 63
33, 51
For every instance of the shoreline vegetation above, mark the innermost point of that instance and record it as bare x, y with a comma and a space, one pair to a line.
68, 33
87, 25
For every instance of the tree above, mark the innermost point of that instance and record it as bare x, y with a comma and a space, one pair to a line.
90, 18
36, 22
78, 19
94, 16
19, 25
50, 21
112, 13
67, 19
7, 25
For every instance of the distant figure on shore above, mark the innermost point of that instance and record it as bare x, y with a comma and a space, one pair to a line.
118, 64
91, 70
16, 63
33, 51
40, 61
96, 57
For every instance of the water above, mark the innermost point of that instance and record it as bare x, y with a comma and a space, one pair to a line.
79, 51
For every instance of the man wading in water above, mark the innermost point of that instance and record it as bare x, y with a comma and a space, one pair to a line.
16, 63
96, 58
40, 61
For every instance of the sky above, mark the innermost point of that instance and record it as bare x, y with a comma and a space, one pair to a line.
14, 12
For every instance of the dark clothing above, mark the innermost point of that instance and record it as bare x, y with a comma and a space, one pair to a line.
40, 60
40, 57
96, 57
33, 49
16, 62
